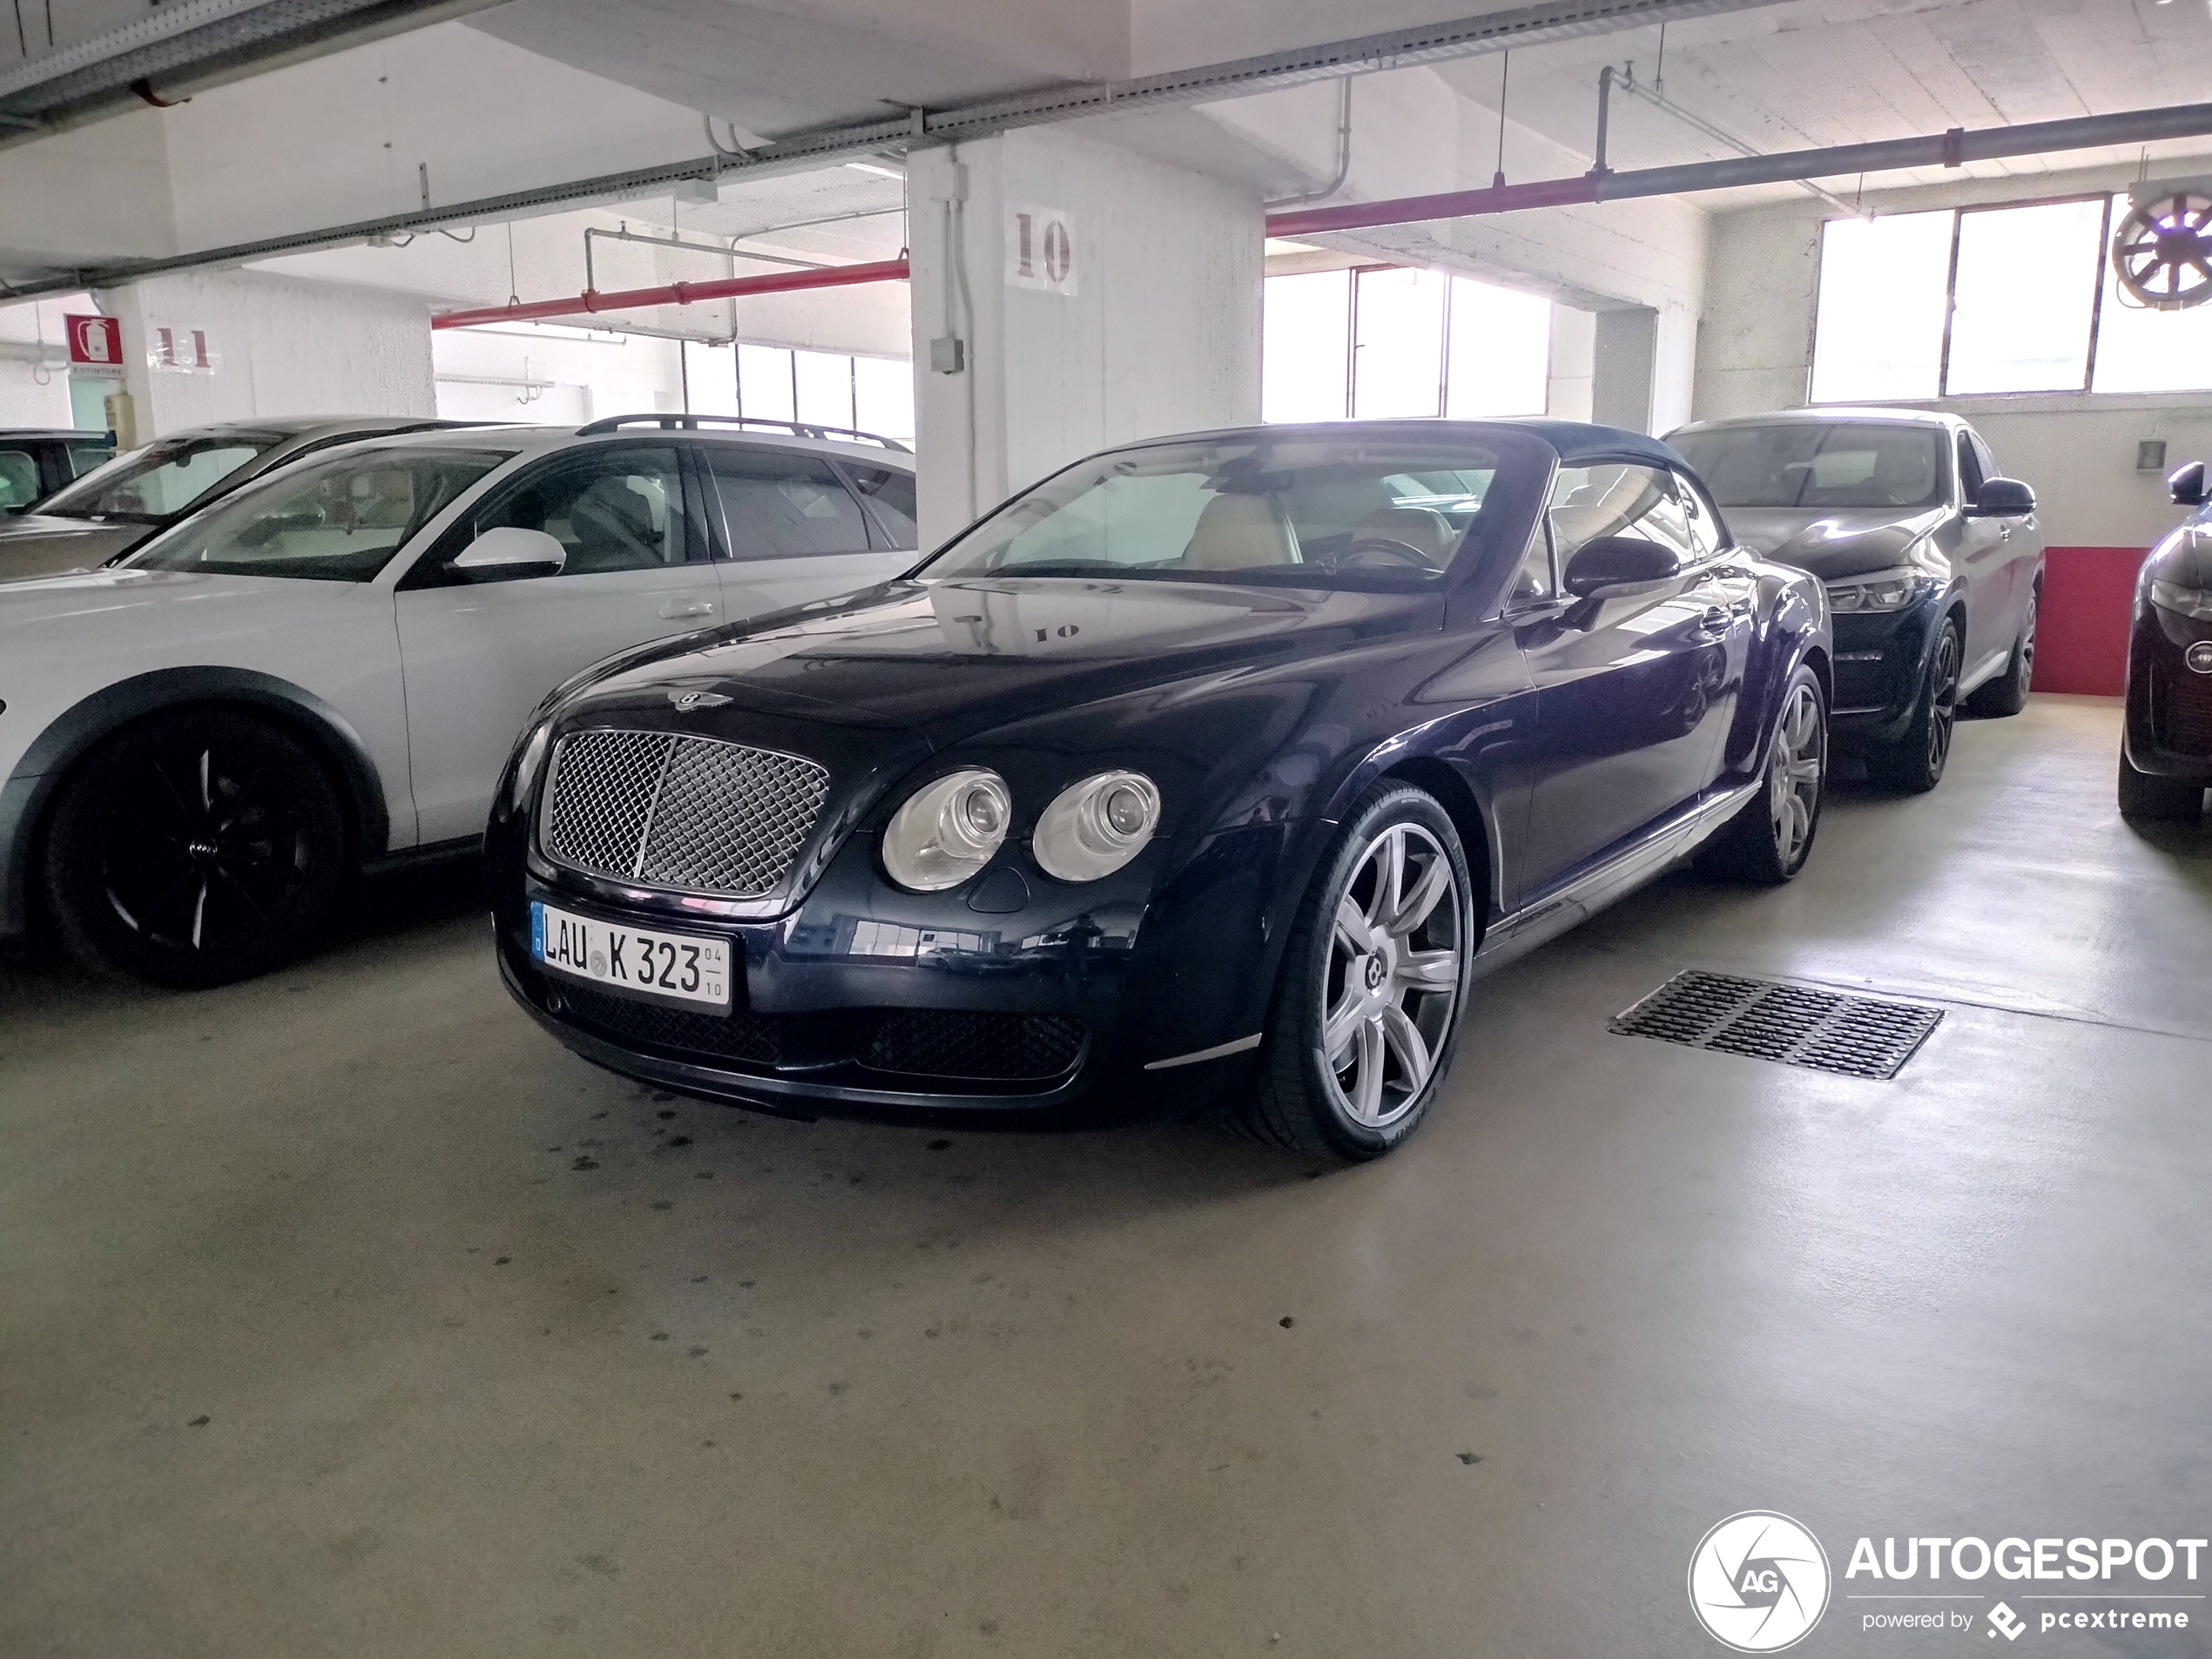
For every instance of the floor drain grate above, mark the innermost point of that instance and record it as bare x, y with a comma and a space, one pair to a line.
1768, 1020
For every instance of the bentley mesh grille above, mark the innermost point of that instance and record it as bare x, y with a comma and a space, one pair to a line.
678, 811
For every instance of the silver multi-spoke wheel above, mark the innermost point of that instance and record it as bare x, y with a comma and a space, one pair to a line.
1795, 772
1392, 987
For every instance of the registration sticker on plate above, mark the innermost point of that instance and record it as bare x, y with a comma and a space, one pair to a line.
680, 968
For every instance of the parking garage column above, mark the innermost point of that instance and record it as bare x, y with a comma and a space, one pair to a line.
1068, 294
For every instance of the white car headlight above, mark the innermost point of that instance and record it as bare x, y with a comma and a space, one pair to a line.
2195, 603
1879, 591
948, 830
1094, 827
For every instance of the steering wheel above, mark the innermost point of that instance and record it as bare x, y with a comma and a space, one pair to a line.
1371, 552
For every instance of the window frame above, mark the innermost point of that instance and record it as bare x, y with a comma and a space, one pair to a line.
1943, 394
717, 509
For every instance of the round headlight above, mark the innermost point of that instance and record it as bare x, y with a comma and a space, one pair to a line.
948, 830
1094, 827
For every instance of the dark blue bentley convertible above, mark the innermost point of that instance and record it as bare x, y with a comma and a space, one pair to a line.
1212, 769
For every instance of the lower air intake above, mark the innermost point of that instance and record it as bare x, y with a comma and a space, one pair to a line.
739, 1036
1003, 1047
1794, 1024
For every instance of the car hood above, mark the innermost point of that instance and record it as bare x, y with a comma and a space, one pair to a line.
103, 610
1832, 542
949, 658
41, 543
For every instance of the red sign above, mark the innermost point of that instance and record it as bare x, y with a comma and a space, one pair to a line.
97, 341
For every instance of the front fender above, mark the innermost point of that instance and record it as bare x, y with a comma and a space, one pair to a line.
29, 788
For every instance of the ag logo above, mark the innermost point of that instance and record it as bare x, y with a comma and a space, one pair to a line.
2200, 656
1758, 1582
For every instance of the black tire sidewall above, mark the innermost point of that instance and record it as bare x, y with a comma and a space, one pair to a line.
74, 879
1294, 1045
1904, 765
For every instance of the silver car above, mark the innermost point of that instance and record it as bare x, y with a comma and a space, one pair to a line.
1933, 561
114, 508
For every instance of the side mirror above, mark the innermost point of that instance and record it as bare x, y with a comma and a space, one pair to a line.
1614, 565
2186, 484
2003, 498
505, 553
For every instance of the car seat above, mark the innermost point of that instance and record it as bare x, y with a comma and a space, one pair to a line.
613, 528
1240, 533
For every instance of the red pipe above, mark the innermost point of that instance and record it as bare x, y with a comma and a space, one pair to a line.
680, 293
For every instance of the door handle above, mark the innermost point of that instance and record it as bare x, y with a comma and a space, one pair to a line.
678, 608
1714, 620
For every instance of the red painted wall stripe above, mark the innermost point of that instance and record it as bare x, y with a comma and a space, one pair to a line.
2089, 596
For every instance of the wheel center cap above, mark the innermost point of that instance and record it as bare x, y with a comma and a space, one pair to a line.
1375, 972
202, 849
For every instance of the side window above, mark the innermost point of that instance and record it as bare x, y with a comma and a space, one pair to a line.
83, 457
1970, 473
18, 479
1988, 462
612, 509
1706, 540
777, 504
1589, 502
891, 492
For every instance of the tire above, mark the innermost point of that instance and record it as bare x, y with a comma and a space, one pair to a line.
1768, 842
1913, 765
193, 849
2150, 799
2007, 693
1382, 964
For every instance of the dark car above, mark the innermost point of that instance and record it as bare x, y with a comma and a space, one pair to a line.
1212, 769
1934, 564
112, 508
35, 462
2165, 753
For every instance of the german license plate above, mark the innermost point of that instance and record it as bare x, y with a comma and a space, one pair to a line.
681, 968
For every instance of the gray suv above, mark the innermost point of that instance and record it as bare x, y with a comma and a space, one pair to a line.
1932, 562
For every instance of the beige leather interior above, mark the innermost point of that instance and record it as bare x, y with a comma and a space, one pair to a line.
1240, 533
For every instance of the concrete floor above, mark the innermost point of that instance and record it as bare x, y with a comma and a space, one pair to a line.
343, 1313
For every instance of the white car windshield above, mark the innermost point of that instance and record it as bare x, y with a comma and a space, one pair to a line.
151, 485
338, 518
1305, 510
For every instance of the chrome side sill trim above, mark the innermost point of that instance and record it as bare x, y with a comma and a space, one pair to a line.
1219, 1051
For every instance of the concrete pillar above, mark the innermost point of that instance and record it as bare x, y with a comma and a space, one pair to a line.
243, 345
1622, 368
1131, 309
1566, 389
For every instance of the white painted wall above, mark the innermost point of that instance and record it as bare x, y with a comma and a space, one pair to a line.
2078, 450
1161, 336
282, 346
34, 378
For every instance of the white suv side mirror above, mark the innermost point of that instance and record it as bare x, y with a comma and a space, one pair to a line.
505, 552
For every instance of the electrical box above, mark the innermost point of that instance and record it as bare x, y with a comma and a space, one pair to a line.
947, 355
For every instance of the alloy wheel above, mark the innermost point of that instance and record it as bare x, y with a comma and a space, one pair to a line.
1795, 774
1943, 699
2028, 642
1392, 987
202, 851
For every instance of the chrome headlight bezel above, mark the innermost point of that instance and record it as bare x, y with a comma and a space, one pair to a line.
1878, 592
2195, 604
948, 830
1097, 825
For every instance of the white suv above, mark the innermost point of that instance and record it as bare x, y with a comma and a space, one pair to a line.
325, 670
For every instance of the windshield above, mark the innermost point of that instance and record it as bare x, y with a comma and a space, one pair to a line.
149, 485
1300, 510
1797, 463
337, 519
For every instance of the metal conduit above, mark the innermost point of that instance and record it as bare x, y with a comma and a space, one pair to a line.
680, 293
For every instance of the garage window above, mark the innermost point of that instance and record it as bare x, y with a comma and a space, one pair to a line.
1382, 341
1975, 301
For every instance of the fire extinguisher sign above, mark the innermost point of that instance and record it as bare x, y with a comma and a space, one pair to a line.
95, 344
1040, 248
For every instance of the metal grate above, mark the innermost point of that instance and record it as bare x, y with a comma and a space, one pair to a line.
740, 1035
678, 811
1002, 1046
1794, 1024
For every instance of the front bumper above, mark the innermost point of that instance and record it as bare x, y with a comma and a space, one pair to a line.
867, 1001
1881, 665
2169, 704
